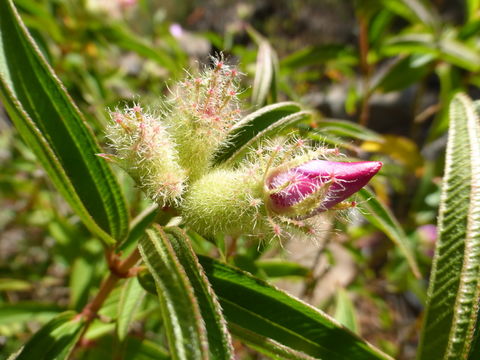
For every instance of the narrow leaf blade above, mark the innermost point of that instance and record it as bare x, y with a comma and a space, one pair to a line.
26, 311
266, 73
46, 117
262, 123
348, 129
133, 348
127, 40
415, 11
254, 305
319, 55
219, 341
403, 72
180, 310
460, 54
267, 346
130, 299
55, 340
453, 295
345, 311
280, 268
281, 323
138, 225
383, 219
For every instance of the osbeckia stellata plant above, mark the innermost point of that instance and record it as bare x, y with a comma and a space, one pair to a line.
280, 189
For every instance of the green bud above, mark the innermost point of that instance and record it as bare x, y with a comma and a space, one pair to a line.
143, 147
224, 201
202, 112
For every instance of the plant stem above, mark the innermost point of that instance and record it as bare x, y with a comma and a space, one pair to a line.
233, 247
118, 270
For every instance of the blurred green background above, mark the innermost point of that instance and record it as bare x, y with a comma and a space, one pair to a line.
378, 75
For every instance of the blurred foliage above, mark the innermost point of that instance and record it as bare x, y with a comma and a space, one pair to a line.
378, 77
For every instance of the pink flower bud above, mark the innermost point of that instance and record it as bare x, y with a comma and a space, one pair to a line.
327, 183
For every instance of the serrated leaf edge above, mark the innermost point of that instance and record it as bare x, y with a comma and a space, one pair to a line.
467, 297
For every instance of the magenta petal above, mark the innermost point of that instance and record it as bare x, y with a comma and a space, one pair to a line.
298, 183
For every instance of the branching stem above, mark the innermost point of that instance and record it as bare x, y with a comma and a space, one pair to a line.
119, 269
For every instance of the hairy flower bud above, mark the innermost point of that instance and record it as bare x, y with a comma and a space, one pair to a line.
203, 110
144, 148
279, 202
316, 186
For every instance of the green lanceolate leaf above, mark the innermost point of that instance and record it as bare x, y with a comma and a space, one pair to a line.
345, 311
380, 217
415, 11
266, 73
403, 72
219, 341
460, 54
447, 49
14, 285
267, 346
138, 225
453, 295
256, 306
130, 299
262, 123
347, 129
320, 55
132, 348
124, 39
54, 128
184, 325
26, 311
279, 268
144, 350
475, 341
472, 7
415, 43
55, 340
281, 323
82, 278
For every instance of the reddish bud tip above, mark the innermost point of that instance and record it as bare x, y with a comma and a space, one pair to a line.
339, 180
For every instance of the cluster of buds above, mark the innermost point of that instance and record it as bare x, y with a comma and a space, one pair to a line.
279, 190
165, 152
